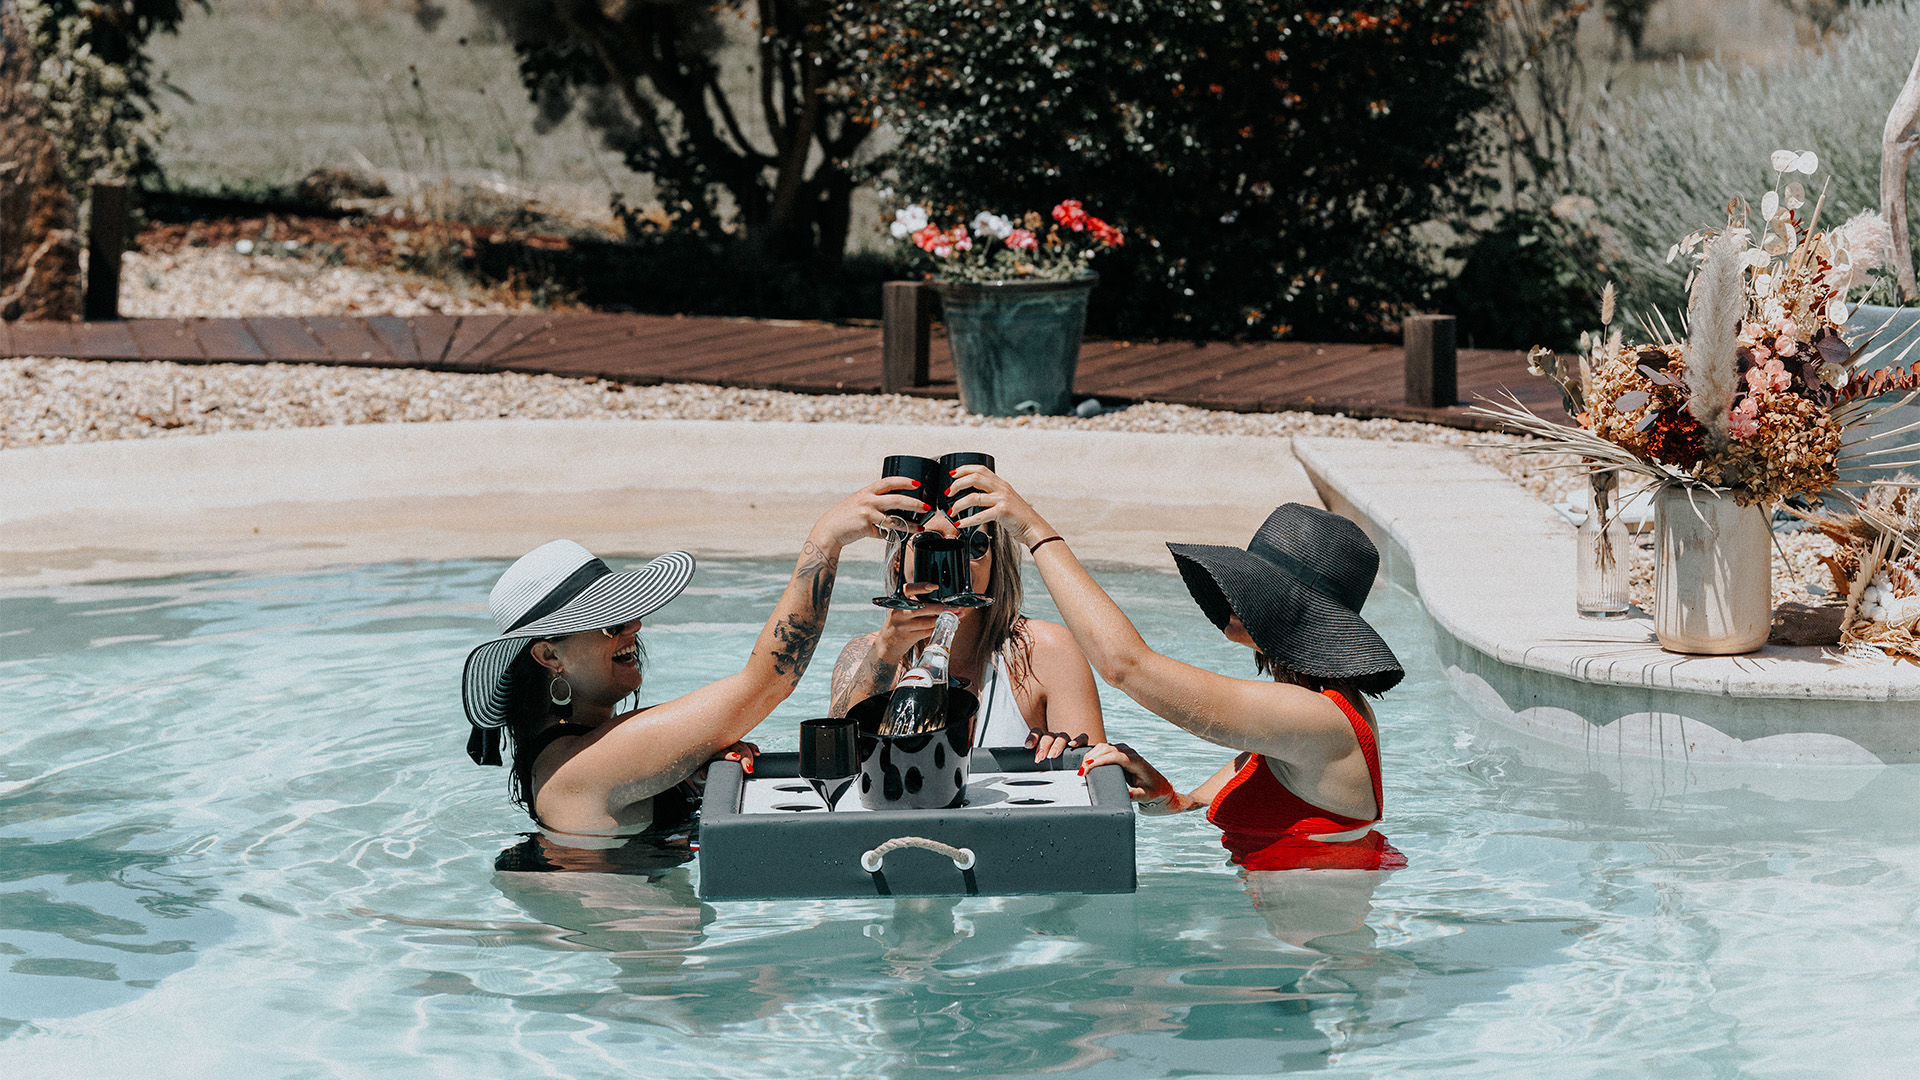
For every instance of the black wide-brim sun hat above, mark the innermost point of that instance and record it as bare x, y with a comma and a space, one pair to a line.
1298, 588
556, 589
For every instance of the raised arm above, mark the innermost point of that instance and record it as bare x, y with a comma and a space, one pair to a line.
652, 750
1280, 720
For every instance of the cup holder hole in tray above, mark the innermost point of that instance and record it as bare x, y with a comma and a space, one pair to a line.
1025, 783
796, 807
1030, 802
790, 787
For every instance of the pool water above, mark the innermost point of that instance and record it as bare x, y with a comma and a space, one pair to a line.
240, 837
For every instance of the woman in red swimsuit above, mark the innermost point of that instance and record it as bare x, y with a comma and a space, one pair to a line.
1305, 791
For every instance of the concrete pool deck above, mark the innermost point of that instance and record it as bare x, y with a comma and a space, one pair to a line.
297, 498
1493, 567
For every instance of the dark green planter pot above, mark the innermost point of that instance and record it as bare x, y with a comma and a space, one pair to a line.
1015, 343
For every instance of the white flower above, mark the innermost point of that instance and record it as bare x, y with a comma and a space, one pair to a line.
985, 224
909, 220
1785, 160
1900, 610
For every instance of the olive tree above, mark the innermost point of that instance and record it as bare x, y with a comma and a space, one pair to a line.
739, 110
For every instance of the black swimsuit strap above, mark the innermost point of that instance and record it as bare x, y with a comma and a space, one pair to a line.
545, 737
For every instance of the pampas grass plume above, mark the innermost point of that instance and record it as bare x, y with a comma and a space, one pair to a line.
1864, 243
1713, 335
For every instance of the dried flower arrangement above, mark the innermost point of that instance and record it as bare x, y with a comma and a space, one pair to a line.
1753, 400
1876, 566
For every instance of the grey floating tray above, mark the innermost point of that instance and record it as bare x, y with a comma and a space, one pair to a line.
1027, 827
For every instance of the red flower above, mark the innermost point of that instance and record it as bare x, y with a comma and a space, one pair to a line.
1071, 215
1022, 240
1105, 233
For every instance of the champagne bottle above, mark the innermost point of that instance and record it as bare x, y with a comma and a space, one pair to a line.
919, 703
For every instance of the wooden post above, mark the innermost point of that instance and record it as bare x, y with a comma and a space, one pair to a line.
106, 242
1433, 380
906, 310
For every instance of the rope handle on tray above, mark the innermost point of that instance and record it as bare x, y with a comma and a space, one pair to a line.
962, 857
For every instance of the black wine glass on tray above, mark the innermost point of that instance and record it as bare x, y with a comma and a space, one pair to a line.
978, 539
828, 758
932, 481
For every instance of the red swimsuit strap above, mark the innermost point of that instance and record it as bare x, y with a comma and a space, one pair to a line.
1369, 746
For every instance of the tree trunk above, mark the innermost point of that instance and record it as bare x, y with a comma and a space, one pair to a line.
1897, 143
39, 246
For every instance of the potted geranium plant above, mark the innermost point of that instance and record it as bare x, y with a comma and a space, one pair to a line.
1014, 295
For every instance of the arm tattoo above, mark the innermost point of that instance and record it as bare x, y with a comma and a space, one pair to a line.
860, 674
883, 676
799, 633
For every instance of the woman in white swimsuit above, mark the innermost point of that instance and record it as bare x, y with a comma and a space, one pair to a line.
1035, 688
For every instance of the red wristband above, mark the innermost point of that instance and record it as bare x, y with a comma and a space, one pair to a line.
1035, 548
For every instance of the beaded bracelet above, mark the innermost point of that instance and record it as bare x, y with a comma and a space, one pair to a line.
1035, 548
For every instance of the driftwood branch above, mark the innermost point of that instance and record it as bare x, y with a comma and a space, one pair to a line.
1897, 143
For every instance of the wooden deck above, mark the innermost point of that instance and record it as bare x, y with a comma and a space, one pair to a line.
814, 358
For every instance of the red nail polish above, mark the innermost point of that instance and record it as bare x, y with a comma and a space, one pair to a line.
926, 506
949, 491
916, 483
953, 472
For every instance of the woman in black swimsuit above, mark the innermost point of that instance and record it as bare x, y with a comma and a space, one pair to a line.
568, 653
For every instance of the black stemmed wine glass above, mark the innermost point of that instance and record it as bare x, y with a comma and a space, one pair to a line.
943, 563
978, 539
828, 759
932, 479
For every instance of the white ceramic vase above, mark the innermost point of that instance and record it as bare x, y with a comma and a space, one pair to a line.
1712, 574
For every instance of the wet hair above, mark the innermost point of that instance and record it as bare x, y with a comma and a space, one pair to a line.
1347, 688
529, 706
1005, 625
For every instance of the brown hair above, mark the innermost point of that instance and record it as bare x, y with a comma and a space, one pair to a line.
1005, 625
1346, 688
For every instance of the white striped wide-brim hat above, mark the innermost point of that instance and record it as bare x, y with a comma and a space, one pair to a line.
554, 590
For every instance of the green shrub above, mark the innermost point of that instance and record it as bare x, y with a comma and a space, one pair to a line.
1663, 161
96, 85
1529, 280
1271, 160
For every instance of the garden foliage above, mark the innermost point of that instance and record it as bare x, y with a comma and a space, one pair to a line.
1659, 163
1272, 161
96, 85
771, 147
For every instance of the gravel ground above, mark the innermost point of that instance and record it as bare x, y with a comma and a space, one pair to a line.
45, 401
221, 283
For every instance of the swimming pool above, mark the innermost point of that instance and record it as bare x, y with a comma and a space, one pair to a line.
239, 837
